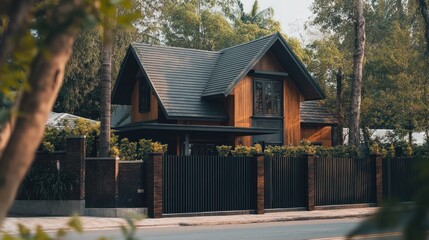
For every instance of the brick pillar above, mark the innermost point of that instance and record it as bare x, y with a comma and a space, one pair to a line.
377, 161
309, 163
260, 193
75, 163
101, 182
154, 175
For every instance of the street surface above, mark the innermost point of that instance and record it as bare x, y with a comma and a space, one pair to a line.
294, 230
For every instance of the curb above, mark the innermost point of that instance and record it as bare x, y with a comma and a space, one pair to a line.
185, 223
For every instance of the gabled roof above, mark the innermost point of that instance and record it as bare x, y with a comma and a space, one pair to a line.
312, 112
184, 79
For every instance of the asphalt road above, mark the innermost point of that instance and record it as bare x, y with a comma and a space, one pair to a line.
294, 230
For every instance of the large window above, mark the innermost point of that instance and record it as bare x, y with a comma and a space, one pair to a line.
268, 97
144, 96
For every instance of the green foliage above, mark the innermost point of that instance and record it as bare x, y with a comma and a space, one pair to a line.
54, 138
223, 150
127, 150
241, 151
256, 149
130, 151
145, 147
157, 147
47, 184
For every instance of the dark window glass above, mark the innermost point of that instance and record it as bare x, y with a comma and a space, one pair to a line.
259, 94
268, 97
144, 96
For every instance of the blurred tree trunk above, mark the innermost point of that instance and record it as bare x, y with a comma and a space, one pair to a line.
45, 81
356, 97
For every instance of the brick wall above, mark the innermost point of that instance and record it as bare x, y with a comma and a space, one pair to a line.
101, 189
131, 188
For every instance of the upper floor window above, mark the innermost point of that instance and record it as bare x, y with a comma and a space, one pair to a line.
268, 97
144, 96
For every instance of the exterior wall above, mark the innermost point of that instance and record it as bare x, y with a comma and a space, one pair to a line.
241, 108
291, 111
240, 103
322, 134
136, 116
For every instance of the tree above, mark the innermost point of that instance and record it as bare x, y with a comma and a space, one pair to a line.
54, 26
356, 97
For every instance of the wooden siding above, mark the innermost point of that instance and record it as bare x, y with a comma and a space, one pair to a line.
241, 107
291, 110
269, 63
320, 134
136, 116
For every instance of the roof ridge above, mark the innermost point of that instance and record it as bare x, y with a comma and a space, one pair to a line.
245, 43
172, 47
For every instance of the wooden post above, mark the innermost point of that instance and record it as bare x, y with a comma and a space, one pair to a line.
260, 194
377, 160
309, 162
154, 185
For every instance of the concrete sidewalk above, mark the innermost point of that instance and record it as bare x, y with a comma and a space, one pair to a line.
95, 223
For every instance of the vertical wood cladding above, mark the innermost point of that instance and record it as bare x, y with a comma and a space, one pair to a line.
242, 108
321, 134
136, 116
241, 105
291, 111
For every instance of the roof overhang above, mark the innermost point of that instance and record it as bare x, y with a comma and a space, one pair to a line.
153, 129
125, 82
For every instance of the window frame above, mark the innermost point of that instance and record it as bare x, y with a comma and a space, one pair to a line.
144, 95
264, 107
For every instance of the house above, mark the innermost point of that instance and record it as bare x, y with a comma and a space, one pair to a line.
194, 100
57, 120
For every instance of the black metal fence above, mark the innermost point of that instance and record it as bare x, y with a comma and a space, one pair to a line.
208, 183
344, 181
285, 182
399, 179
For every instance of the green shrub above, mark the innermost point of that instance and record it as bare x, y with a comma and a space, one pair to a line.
47, 184
157, 147
257, 148
127, 150
223, 150
144, 148
241, 151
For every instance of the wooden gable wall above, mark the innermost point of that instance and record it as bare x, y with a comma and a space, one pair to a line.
137, 116
240, 103
319, 134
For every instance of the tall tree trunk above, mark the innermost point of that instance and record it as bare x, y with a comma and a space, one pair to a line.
356, 97
425, 14
45, 80
106, 86
340, 112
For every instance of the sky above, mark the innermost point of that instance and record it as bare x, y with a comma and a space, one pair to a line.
292, 15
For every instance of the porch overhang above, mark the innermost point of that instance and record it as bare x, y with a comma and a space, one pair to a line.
161, 129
